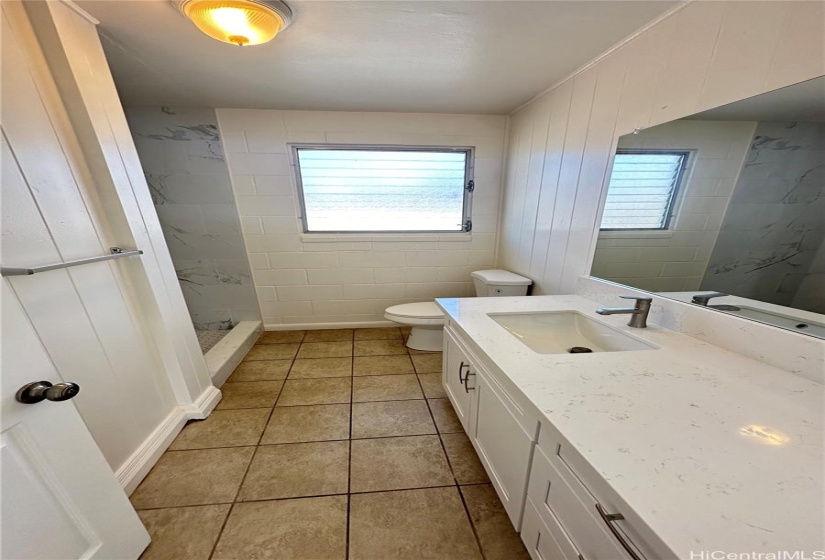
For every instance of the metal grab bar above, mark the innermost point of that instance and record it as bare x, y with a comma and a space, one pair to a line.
117, 253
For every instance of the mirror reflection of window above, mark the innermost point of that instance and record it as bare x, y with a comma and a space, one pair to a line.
642, 189
744, 215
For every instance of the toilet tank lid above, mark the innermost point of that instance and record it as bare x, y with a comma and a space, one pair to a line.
501, 277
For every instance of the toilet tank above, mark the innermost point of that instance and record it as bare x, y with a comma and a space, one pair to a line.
496, 283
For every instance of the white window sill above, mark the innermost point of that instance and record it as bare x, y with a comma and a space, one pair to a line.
384, 237
637, 234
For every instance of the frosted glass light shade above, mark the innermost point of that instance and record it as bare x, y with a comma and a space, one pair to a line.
240, 22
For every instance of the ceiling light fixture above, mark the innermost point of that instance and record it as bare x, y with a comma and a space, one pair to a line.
240, 22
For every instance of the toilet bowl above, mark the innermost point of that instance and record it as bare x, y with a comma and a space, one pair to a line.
427, 319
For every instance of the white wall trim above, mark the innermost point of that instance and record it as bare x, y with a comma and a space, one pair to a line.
386, 238
653, 23
344, 325
80, 11
633, 234
138, 465
505, 164
204, 404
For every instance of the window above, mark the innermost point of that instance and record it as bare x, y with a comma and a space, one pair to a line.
384, 189
642, 189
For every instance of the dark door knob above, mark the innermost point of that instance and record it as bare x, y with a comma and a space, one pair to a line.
37, 391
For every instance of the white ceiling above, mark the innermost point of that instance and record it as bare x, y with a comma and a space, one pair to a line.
356, 55
800, 102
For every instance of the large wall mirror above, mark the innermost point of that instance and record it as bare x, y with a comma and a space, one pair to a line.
726, 209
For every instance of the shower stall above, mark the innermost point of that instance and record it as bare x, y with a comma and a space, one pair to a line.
182, 157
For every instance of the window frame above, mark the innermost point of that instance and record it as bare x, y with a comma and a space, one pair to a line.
670, 208
469, 183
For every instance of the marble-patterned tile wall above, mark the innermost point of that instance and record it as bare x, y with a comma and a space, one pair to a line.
183, 159
771, 241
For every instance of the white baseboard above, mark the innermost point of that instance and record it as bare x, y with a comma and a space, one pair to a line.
225, 356
144, 458
204, 404
138, 465
315, 326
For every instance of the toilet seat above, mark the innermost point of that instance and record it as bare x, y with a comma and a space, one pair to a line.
422, 313
426, 320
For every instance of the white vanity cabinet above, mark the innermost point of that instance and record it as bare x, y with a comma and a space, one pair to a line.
502, 430
552, 496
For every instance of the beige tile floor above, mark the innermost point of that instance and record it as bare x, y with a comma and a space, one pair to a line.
336, 444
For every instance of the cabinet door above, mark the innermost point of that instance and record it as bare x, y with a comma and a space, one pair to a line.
455, 367
503, 446
544, 538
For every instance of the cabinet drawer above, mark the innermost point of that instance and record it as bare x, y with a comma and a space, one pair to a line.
574, 509
590, 489
544, 537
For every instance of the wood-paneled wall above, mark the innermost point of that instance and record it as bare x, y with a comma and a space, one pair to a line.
702, 55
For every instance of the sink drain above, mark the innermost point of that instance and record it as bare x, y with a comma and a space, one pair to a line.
580, 350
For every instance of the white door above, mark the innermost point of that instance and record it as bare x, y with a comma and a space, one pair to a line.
60, 499
87, 316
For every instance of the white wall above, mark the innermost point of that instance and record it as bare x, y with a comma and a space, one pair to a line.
96, 132
314, 279
703, 55
675, 260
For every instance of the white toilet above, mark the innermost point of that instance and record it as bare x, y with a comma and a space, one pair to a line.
427, 319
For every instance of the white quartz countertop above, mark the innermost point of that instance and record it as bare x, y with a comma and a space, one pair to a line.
668, 428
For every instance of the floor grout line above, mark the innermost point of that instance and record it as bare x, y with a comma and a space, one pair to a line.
470, 520
318, 496
349, 455
251, 460
350, 438
220, 532
452, 469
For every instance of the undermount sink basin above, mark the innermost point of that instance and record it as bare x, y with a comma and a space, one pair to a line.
558, 332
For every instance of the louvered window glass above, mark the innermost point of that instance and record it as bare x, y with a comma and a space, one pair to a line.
369, 189
642, 189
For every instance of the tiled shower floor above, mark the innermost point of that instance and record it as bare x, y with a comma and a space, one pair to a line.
208, 339
327, 445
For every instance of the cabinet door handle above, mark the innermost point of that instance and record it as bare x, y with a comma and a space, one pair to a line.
467, 389
608, 519
461, 377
